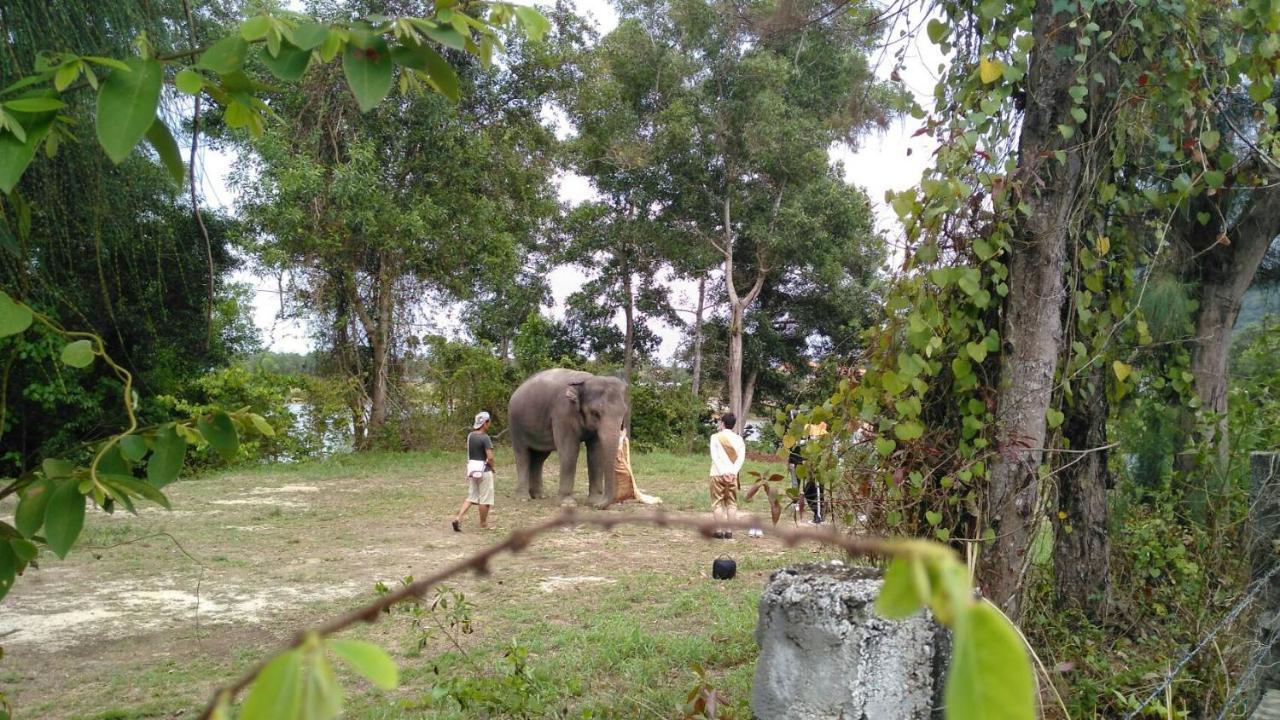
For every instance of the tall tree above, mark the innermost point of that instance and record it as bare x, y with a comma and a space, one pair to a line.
742, 101
416, 199
104, 248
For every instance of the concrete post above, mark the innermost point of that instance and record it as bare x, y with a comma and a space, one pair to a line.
825, 653
1264, 541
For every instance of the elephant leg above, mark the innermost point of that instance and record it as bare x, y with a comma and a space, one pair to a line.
568, 469
524, 468
601, 463
536, 460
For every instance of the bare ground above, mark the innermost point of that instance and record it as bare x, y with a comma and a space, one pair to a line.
149, 613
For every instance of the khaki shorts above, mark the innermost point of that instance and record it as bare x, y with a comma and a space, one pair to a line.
480, 490
724, 492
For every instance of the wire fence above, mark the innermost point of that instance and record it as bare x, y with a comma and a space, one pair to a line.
1249, 598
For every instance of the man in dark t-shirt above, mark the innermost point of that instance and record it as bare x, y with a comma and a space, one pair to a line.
479, 473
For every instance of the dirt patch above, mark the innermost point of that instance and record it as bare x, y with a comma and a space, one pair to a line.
555, 583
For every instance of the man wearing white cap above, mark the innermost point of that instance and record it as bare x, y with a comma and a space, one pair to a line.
479, 472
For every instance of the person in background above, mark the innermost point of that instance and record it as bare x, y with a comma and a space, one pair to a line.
479, 472
813, 491
728, 452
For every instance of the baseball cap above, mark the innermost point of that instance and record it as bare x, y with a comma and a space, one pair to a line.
481, 418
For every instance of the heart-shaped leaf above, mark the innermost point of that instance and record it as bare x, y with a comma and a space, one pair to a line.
14, 316
78, 353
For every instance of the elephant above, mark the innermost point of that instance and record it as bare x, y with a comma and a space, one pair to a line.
557, 410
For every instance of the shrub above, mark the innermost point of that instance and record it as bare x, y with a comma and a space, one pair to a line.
665, 415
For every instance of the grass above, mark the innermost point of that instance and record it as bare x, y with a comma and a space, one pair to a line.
584, 624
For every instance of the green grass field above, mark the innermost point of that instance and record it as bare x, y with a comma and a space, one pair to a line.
149, 614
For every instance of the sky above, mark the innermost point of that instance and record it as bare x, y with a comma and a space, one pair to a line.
884, 161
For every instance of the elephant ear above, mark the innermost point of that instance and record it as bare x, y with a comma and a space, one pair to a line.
573, 391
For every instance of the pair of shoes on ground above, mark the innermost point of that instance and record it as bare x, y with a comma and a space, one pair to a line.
755, 533
722, 535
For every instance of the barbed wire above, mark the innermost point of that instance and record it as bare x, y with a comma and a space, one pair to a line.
1250, 596
1245, 681
521, 539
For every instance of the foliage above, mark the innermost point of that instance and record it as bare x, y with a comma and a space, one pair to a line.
1255, 389
417, 199
665, 415
305, 411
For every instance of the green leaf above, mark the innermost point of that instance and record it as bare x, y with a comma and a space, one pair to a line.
166, 459
255, 28
133, 447
424, 58
900, 596
1054, 417
78, 353
446, 36
937, 31
276, 694
189, 81
35, 104
885, 446
369, 660
977, 351
29, 515
64, 517
136, 487
368, 73
24, 549
310, 35
535, 25
218, 429
906, 431
290, 64
990, 674
14, 316
1209, 139
8, 568
16, 153
261, 424
167, 148
127, 107
1079, 114
225, 56
933, 517
1067, 131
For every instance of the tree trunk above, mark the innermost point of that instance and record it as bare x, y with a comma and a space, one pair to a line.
1032, 328
737, 313
628, 311
377, 328
1225, 272
697, 335
1081, 547
748, 393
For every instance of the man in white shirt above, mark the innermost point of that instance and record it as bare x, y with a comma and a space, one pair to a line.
728, 452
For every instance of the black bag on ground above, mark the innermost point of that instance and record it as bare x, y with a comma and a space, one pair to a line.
724, 568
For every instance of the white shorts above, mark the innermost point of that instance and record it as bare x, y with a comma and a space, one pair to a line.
480, 490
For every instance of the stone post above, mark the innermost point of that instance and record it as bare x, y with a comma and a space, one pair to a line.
1264, 539
825, 653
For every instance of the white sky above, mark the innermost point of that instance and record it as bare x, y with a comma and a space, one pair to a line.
881, 163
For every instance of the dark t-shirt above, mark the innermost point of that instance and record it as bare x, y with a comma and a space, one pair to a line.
477, 444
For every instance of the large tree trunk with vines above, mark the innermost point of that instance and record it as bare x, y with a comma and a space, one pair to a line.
1225, 267
1032, 329
1082, 547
